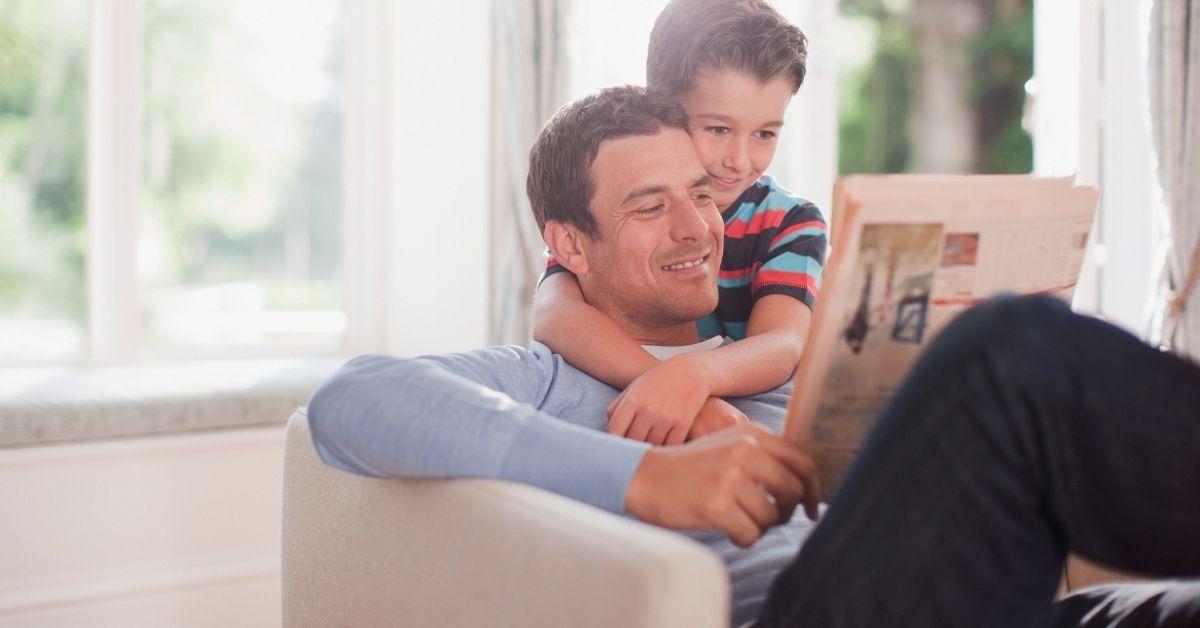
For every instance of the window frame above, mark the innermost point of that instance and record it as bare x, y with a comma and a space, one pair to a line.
1090, 121
388, 144
114, 109
113, 167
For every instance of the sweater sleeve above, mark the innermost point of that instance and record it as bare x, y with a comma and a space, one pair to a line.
470, 414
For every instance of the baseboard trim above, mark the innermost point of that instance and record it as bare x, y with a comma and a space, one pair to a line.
104, 587
190, 442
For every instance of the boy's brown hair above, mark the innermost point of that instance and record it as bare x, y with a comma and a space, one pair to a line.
747, 35
559, 184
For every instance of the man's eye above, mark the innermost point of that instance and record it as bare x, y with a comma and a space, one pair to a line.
649, 210
717, 130
703, 197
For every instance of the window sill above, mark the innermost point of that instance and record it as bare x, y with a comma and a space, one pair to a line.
42, 406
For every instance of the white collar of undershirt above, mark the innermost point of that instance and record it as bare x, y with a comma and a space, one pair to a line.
665, 353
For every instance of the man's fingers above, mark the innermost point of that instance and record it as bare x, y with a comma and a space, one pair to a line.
799, 463
676, 436
754, 502
740, 527
779, 481
812, 496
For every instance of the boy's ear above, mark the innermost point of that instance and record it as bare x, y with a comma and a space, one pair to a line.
566, 245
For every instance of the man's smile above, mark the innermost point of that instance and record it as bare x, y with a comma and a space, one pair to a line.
686, 264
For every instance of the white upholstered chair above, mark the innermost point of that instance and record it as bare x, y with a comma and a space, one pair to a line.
361, 551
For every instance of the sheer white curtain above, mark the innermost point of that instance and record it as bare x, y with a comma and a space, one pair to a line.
1175, 115
528, 85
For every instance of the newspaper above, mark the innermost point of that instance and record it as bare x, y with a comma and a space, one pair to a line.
908, 254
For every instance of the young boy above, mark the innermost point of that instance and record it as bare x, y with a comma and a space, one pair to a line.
734, 65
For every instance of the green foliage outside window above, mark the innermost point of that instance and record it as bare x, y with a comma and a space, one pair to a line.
43, 91
877, 98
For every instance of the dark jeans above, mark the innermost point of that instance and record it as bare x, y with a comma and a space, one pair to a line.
1025, 431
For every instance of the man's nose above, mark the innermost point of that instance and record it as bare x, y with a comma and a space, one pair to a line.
687, 222
737, 155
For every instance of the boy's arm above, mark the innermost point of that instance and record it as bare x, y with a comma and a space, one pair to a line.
591, 341
768, 355
784, 289
765, 359
585, 336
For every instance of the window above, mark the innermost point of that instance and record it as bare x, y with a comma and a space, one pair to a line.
170, 179
43, 59
934, 86
239, 238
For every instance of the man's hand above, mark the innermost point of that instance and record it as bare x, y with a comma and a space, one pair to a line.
660, 406
715, 415
742, 481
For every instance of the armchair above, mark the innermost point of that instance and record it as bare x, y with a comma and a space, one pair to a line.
471, 552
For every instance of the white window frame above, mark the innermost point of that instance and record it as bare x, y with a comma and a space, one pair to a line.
1090, 119
114, 125
807, 159
413, 265
415, 176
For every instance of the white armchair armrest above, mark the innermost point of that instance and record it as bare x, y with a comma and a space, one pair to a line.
365, 552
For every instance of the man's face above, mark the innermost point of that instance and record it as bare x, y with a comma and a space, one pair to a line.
655, 259
735, 121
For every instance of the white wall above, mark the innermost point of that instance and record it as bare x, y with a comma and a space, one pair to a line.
416, 205
167, 531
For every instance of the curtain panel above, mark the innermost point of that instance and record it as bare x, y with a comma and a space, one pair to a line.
529, 83
1174, 75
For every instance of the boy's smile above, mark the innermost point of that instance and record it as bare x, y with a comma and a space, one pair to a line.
735, 121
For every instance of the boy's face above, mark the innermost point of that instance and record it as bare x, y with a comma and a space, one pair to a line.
735, 121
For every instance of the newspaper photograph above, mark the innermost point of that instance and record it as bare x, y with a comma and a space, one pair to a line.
880, 335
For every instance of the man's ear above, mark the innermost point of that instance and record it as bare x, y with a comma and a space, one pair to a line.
566, 245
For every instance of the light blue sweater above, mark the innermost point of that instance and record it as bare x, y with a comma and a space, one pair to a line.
523, 415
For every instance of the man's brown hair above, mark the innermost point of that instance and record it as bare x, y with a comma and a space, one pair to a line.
747, 35
560, 185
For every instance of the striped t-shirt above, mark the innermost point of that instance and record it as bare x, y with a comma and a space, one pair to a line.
775, 243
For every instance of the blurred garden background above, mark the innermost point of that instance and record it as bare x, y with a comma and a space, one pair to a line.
239, 233
240, 206
934, 85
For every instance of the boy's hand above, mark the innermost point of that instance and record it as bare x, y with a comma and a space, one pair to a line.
660, 406
741, 481
716, 415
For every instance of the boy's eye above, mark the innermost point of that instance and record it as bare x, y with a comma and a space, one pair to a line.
717, 130
767, 135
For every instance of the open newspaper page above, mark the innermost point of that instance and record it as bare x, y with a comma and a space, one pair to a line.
909, 254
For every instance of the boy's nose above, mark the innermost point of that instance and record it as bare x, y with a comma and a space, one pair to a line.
737, 158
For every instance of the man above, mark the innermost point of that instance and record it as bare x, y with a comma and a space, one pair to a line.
528, 416
1003, 450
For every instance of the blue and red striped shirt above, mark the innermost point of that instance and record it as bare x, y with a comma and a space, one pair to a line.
775, 243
